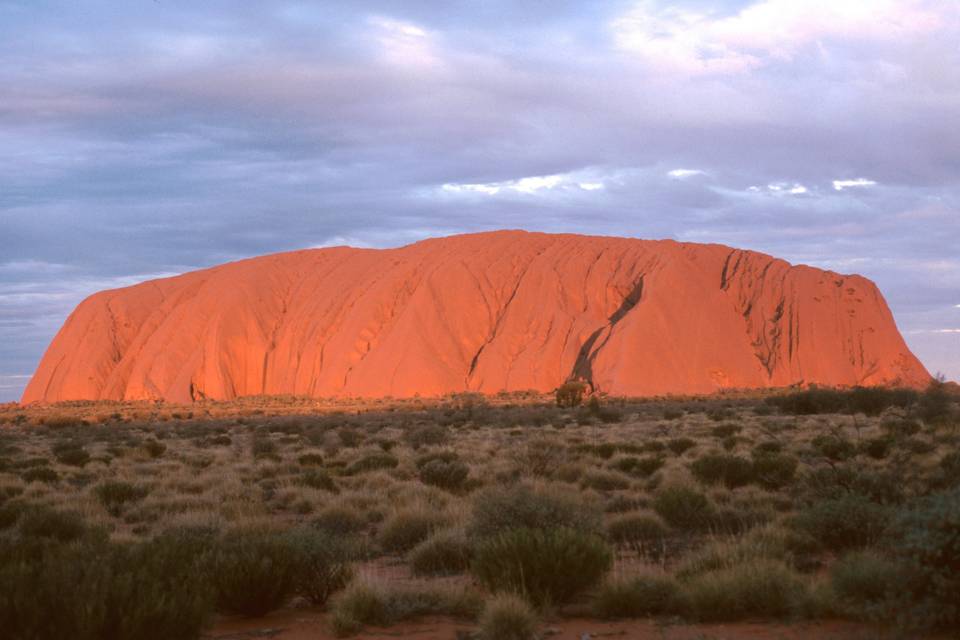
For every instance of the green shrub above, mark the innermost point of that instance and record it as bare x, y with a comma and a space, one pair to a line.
683, 508
636, 598
898, 428
721, 413
839, 524
735, 520
498, 509
507, 617
680, 445
834, 447
729, 443
810, 401
372, 462
115, 495
319, 479
427, 435
45, 475
71, 454
766, 448
360, 604
44, 522
774, 470
727, 430
310, 460
918, 446
650, 446
570, 394
925, 538
324, 564
363, 603
839, 481
935, 404
545, 566
673, 414
641, 532
263, 447
10, 513
94, 590
731, 471
949, 470
877, 448
222, 440
450, 475
9, 492
255, 572
604, 480
443, 553
761, 588
405, 529
30, 463
154, 448
350, 437
339, 520
862, 581
766, 543
621, 503
640, 467
441, 455
872, 401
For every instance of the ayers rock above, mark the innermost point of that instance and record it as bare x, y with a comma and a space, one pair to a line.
506, 310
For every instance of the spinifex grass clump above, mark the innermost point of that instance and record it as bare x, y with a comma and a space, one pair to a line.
761, 588
507, 617
637, 598
642, 532
683, 508
407, 528
370, 603
449, 474
547, 566
115, 495
443, 553
839, 524
499, 509
257, 571
91, 589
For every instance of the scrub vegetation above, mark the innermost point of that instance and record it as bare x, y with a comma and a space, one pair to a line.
136, 520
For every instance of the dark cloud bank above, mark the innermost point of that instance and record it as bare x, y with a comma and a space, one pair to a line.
150, 137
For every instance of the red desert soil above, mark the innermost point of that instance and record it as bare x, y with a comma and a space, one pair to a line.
308, 625
488, 312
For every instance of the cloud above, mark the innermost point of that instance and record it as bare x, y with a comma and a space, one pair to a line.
694, 42
404, 44
780, 189
840, 185
531, 185
684, 173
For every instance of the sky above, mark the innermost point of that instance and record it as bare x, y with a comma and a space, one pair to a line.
145, 138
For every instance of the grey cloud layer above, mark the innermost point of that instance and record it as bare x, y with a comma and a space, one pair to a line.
151, 137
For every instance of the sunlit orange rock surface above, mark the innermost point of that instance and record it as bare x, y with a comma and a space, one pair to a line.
486, 312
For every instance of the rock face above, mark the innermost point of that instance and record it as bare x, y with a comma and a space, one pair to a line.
507, 310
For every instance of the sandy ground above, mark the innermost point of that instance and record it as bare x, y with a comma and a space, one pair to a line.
311, 625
